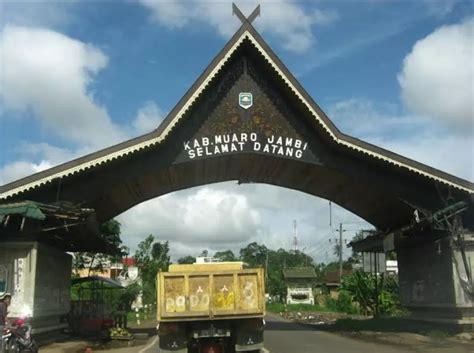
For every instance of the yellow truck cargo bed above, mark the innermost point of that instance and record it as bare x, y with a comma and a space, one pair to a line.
210, 291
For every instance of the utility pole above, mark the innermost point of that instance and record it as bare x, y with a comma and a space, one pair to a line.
340, 252
295, 235
266, 265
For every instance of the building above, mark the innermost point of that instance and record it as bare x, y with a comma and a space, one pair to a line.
332, 281
125, 271
300, 282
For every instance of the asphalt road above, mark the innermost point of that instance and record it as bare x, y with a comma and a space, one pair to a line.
282, 336
287, 337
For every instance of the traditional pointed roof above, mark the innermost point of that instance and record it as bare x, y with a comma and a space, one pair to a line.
299, 273
246, 33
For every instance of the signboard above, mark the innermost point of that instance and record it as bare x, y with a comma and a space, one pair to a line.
245, 100
373, 262
208, 146
246, 121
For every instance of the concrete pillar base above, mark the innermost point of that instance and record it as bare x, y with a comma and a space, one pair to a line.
457, 318
434, 281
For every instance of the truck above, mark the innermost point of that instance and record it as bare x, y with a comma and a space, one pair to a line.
211, 308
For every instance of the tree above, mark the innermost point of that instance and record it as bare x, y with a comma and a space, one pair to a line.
254, 254
187, 260
226, 255
96, 262
274, 262
375, 294
150, 258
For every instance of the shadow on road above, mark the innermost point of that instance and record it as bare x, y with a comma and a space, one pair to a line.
287, 326
150, 331
387, 325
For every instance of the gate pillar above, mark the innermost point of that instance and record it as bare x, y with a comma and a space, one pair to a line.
436, 281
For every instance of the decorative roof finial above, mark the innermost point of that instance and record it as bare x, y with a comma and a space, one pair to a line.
245, 20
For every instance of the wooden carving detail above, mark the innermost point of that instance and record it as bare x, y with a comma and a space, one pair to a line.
222, 126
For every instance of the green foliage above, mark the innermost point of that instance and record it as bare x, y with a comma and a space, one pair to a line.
150, 258
254, 254
95, 262
128, 295
277, 261
186, 260
227, 255
376, 294
343, 303
116, 299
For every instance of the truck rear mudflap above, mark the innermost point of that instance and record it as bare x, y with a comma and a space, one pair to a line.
249, 335
173, 338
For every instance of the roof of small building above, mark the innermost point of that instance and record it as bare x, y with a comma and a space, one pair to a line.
333, 276
128, 261
299, 272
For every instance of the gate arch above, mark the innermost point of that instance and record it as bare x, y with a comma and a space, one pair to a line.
247, 118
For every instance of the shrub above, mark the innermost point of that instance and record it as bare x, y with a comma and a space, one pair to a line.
376, 294
343, 303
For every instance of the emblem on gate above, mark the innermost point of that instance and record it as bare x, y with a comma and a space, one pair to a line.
245, 100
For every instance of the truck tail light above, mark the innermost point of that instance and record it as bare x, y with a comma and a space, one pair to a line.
212, 348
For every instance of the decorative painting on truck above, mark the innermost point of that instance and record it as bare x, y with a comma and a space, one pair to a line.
224, 296
199, 293
248, 288
175, 299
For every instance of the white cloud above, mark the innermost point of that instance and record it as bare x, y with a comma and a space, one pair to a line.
15, 170
287, 20
365, 119
51, 14
229, 216
437, 151
36, 157
50, 74
148, 118
411, 136
206, 217
437, 76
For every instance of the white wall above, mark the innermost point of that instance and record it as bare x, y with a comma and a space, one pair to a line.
19, 259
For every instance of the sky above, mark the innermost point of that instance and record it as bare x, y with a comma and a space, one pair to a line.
78, 76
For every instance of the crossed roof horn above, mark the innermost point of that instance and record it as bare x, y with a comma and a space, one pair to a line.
245, 20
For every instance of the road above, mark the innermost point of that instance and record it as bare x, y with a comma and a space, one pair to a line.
287, 337
282, 336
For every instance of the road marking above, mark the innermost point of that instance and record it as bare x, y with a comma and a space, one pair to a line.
149, 346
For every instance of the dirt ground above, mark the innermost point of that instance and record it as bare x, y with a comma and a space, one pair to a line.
416, 337
145, 337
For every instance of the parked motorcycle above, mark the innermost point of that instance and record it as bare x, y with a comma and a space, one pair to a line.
17, 338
